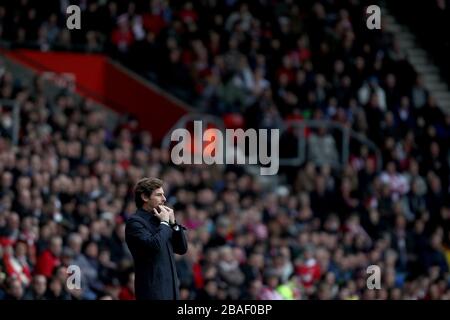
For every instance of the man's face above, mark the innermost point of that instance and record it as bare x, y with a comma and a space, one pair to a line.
40, 285
56, 246
16, 289
156, 198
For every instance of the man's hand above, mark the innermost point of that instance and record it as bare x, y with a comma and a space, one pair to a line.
171, 214
163, 215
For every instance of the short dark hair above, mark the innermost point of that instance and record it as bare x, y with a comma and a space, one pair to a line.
145, 186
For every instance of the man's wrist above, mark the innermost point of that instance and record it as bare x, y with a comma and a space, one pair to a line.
165, 222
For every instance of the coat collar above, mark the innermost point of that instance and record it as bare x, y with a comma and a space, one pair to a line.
149, 216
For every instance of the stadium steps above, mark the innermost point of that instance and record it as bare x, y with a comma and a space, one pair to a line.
420, 60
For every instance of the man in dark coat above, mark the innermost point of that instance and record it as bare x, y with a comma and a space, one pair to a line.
153, 236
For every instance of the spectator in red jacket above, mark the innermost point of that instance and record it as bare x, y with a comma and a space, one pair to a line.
49, 259
16, 263
309, 269
127, 291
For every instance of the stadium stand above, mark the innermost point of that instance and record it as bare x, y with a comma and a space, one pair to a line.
66, 188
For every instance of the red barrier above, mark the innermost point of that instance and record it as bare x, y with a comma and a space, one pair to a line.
155, 111
98, 78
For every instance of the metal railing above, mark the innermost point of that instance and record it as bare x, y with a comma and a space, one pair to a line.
302, 141
347, 135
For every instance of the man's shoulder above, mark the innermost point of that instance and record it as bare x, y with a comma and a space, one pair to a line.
133, 218
138, 218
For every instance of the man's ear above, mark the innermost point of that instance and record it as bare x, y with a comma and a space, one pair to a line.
145, 198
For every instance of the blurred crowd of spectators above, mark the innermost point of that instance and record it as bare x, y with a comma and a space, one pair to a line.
65, 191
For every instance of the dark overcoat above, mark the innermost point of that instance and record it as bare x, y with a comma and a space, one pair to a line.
153, 245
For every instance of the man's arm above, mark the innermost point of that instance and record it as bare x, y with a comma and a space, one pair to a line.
136, 233
179, 241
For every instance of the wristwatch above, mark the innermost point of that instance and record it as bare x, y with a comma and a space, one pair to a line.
175, 226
